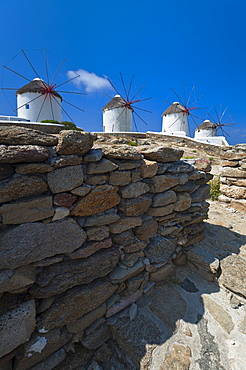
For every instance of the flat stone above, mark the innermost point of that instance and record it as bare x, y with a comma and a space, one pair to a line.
90, 248
162, 273
83, 322
137, 206
121, 151
81, 190
200, 194
227, 163
74, 142
135, 176
160, 211
160, 249
33, 168
11, 280
98, 200
17, 325
147, 230
125, 238
22, 153
239, 182
19, 249
162, 183
203, 165
51, 361
189, 187
164, 198
239, 205
21, 186
203, 258
219, 314
60, 213
104, 165
28, 210
65, 178
118, 275
134, 190
77, 359
96, 179
39, 347
233, 172
232, 155
183, 202
160, 153
125, 223
135, 247
120, 178
127, 165
233, 274
106, 218
97, 233
94, 155
14, 135
148, 169
179, 358
235, 192
6, 170
97, 337
123, 303
65, 199
75, 303
64, 161
66, 274
179, 167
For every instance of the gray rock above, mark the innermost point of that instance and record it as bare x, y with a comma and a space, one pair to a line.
179, 167
40, 346
183, 202
62, 276
160, 249
22, 153
22, 277
93, 155
137, 206
203, 258
66, 178
121, 151
97, 233
106, 218
81, 190
97, 337
104, 165
66, 160
96, 179
233, 274
162, 273
19, 249
160, 153
147, 230
33, 168
79, 325
200, 194
90, 248
162, 199
60, 213
13, 135
118, 275
51, 361
125, 238
233, 172
74, 142
160, 211
120, 178
21, 186
162, 183
6, 170
17, 325
125, 223
148, 169
28, 210
75, 303
134, 190
189, 187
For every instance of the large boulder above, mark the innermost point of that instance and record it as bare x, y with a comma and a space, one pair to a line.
74, 142
14, 135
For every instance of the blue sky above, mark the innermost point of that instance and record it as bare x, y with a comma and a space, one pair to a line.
163, 43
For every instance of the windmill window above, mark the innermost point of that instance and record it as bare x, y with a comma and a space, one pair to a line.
27, 106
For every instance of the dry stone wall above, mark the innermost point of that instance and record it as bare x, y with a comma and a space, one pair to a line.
85, 232
233, 178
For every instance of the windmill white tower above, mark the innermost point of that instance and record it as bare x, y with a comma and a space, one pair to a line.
175, 120
206, 129
35, 103
117, 115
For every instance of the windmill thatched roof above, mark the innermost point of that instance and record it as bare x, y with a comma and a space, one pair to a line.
174, 108
116, 102
205, 125
35, 87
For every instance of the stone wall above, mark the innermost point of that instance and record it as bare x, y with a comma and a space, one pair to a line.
233, 178
85, 232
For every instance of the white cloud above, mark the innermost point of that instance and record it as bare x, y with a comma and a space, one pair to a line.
90, 80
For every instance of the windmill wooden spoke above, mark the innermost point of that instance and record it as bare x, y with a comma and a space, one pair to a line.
73, 105
177, 96
167, 102
222, 115
7, 88
63, 109
33, 67
124, 108
174, 122
196, 101
51, 106
184, 95
70, 92
107, 95
141, 88
17, 73
224, 132
58, 70
124, 87
28, 102
135, 123
71, 79
130, 85
114, 87
141, 118
46, 67
192, 115
194, 120
192, 90
218, 118
144, 110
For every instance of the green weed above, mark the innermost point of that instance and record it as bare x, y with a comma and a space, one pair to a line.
215, 187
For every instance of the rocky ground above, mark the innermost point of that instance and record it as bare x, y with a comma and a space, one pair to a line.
190, 323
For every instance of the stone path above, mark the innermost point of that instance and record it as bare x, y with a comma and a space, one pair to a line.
192, 323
